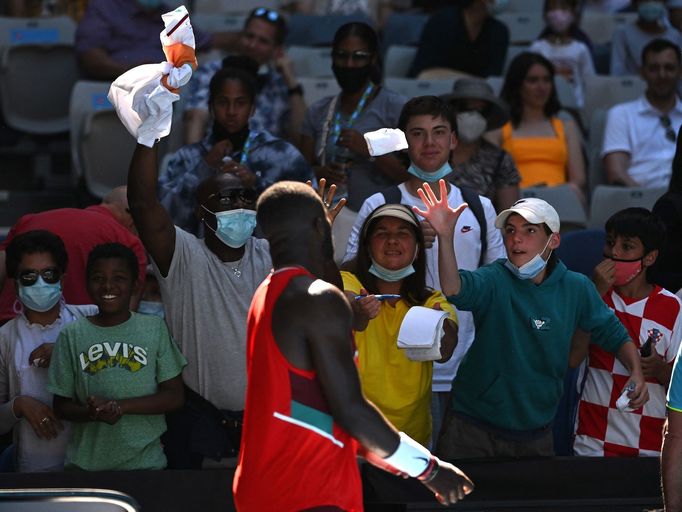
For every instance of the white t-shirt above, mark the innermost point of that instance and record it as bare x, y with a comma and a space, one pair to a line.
575, 56
206, 307
635, 127
468, 251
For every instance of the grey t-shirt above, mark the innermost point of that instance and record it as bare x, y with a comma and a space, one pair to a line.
382, 112
206, 307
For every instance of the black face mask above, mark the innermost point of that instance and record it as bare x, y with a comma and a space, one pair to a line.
351, 80
237, 139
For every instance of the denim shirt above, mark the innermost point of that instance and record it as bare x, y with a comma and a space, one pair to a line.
270, 158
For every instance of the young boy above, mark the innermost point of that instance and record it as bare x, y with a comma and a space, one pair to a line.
430, 129
526, 308
116, 373
652, 317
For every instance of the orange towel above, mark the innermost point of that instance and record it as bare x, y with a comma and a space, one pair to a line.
178, 55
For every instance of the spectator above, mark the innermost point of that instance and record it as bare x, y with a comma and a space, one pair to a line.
36, 263
392, 260
639, 138
628, 41
206, 287
255, 157
546, 149
80, 230
332, 138
652, 318
463, 36
304, 405
571, 57
431, 132
279, 105
477, 163
666, 270
115, 374
526, 308
116, 35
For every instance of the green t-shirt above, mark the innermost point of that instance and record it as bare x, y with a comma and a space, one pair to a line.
124, 361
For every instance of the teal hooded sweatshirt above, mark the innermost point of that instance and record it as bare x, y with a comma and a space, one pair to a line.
512, 376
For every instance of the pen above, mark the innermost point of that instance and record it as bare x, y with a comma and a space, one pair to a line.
380, 297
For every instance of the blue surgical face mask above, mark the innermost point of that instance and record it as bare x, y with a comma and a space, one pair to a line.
150, 307
40, 296
530, 269
388, 275
430, 177
234, 227
651, 11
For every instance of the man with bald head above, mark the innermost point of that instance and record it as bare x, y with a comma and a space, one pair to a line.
81, 230
206, 286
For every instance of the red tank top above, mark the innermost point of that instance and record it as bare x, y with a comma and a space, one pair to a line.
293, 455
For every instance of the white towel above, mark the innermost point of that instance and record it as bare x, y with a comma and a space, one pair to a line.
420, 333
385, 140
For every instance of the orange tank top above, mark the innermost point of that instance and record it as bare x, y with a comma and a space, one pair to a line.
293, 455
539, 159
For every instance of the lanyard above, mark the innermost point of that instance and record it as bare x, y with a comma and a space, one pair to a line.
336, 130
247, 147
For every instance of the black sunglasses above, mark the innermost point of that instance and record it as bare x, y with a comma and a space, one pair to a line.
50, 275
228, 198
263, 12
356, 56
669, 132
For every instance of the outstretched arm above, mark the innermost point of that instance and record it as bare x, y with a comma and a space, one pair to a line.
328, 338
153, 223
443, 219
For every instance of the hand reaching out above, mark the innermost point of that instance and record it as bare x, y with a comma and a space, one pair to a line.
328, 199
450, 484
438, 213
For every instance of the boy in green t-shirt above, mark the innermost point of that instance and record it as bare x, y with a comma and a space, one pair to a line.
116, 373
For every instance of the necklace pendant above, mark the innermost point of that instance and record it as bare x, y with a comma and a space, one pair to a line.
237, 272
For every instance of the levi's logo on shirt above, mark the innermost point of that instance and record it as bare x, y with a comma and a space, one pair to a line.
540, 324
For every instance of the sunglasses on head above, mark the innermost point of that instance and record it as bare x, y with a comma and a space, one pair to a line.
356, 56
29, 277
228, 198
263, 12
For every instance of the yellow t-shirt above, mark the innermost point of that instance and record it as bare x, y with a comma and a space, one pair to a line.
400, 388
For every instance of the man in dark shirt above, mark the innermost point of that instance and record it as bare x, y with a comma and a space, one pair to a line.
464, 37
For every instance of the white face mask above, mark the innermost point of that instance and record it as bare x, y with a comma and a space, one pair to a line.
470, 126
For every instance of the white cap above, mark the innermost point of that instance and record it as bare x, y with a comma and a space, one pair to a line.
534, 210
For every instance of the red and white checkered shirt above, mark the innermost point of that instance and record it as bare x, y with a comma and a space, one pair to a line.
601, 429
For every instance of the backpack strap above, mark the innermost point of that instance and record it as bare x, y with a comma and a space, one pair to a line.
472, 198
392, 195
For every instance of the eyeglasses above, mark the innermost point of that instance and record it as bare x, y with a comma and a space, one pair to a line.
29, 277
263, 12
229, 198
669, 132
356, 56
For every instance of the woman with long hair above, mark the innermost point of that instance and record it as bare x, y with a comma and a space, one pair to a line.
332, 134
385, 280
547, 150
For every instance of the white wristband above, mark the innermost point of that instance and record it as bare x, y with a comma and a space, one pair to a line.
410, 457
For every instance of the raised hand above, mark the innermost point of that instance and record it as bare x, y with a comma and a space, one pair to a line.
440, 215
328, 199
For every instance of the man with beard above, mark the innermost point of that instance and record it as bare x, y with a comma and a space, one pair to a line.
257, 158
640, 135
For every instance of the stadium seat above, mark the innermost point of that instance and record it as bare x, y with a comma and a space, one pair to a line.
398, 61
605, 91
311, 61
565, 202
403, 29
524, 27
599, 26
314, 89
607, 200
411, 87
